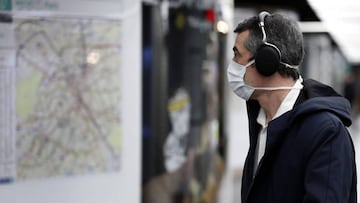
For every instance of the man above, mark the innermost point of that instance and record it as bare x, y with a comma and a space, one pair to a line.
300, 149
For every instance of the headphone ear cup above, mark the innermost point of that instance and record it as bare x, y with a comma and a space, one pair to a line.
267, 60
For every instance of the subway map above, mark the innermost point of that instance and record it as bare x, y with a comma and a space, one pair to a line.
68, 96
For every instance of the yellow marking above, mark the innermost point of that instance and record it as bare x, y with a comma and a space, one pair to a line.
26, 94
178, 104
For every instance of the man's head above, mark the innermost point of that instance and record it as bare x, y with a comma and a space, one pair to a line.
281, 32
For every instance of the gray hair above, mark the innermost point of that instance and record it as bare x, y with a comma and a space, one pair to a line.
280, 31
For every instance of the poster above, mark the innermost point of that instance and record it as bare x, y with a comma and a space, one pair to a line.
68, 96
61, 108
72, 101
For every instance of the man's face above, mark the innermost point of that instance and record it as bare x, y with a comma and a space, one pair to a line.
242, 56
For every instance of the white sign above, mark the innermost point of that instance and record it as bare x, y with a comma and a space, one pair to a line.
7, 107
78, 7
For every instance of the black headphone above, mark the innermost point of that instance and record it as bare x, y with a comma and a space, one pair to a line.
267, 56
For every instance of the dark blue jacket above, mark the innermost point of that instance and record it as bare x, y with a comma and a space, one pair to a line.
309, 155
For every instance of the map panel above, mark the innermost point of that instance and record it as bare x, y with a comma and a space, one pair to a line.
68, 96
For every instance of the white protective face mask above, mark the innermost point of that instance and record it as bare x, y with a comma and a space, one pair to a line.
236, 74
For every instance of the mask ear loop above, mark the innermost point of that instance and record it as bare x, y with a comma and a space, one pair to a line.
297, 86
250, 63
290, 66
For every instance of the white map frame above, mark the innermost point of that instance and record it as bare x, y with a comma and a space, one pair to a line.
122, 186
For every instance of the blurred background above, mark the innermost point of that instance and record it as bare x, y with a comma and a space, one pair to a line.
197, 54
156, 70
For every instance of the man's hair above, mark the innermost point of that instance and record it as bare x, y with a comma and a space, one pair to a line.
280, 31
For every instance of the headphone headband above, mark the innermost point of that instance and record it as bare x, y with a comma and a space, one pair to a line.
262, 16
